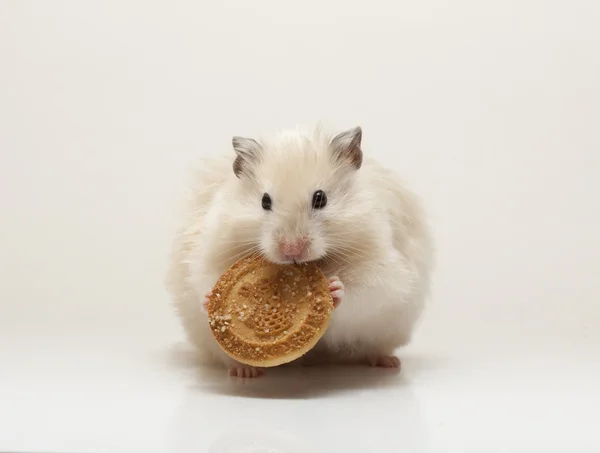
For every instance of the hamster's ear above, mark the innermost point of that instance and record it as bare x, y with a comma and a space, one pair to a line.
346, 147
248, 152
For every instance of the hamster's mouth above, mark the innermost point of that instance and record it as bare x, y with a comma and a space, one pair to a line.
322, 262
292, 261
309, 254
318, 261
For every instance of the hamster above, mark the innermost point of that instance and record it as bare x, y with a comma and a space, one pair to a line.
299, 197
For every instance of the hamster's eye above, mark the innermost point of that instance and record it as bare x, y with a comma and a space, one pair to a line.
319, 200
266, 202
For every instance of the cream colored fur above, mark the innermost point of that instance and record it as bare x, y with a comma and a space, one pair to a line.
372, 234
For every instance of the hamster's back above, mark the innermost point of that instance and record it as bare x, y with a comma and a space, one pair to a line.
410, 231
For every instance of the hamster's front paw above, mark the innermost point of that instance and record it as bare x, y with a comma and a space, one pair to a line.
206, 301
336, 287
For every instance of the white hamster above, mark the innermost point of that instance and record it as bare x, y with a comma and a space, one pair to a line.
308, 197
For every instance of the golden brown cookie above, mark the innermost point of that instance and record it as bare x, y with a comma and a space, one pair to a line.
264, 314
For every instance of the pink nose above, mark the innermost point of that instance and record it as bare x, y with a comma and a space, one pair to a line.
292, 249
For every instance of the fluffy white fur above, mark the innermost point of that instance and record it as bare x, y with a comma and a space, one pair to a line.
372, 234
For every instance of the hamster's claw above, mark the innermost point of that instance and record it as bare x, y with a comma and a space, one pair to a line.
206, 301
384, 361
337, 291
244, 371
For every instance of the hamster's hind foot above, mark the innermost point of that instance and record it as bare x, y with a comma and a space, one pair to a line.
384, 361
245, 371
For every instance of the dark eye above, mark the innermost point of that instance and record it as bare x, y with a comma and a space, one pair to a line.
319, 200
266, 202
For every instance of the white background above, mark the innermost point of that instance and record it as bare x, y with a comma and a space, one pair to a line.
489, 110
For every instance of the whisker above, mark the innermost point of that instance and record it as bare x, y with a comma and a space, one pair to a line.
230, 259
353, 251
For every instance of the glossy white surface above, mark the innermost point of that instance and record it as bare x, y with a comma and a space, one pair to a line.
490, 110
92, 393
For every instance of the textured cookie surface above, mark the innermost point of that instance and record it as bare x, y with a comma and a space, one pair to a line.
264, 314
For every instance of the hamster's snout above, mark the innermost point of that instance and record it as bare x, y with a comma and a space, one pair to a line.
293, 249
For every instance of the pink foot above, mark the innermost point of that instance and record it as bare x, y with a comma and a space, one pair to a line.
245, 371
337, 291
384, 361
206, 301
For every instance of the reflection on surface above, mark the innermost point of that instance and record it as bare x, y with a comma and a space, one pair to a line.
257, 439
298, 410
299, 382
